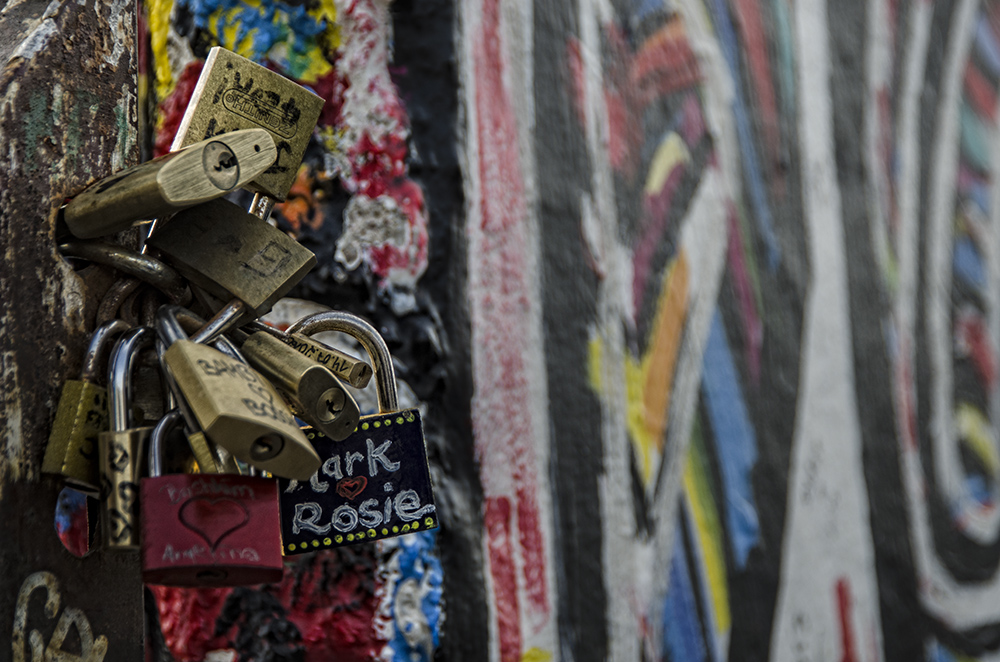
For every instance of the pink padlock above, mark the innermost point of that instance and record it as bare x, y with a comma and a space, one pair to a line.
207, 529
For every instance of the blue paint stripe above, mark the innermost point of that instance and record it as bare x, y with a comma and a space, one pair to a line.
986, 45
758, 197
735, 440
682, 636
968, 265
979, 194
938, 653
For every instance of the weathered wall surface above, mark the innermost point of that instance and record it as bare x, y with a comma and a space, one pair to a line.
701, 299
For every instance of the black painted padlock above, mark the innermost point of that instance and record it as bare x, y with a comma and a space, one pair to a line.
375, 483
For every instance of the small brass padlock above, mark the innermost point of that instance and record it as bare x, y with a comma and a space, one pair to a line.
354, 371
234, 93
230, 253
207, 529
235, 406
374, 484
119, 448
319, 396
185, 177
82, 414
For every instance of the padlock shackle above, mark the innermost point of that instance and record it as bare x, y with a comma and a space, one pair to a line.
169, 421
168, 328
145, 268
119, 374
370, 339
92, 360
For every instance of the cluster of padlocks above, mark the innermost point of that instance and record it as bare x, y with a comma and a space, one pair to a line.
278, 459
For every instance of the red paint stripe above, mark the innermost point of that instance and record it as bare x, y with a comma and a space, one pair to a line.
502, 300
846, 627
498, 528
752, 35
979, 92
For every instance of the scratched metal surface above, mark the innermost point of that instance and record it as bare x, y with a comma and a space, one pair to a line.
67, 116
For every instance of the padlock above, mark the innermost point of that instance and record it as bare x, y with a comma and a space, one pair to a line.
232, 254
198, 173
234, 93
316, 393
375, 484
207, 529
131, 263
120, 447
235, 406
354, 371
81, 415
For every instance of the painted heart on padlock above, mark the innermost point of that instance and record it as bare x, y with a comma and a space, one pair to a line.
351, 487
213, 519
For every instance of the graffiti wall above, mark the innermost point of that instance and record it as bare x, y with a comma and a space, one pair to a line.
700, 301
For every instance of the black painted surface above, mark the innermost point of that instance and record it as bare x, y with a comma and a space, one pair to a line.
569, 299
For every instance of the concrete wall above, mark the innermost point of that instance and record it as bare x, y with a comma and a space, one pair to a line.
702, 300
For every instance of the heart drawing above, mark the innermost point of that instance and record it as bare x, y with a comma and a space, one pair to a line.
213, 519
351, 487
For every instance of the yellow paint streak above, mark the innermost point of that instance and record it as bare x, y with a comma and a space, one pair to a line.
661, 356
159, 26
595, 361
636, 418
671, 153
536, 655
975, 432
709, 535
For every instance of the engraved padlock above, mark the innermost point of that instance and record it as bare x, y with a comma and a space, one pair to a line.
120, 447
375, 484
235, 406
207, 529
235, 93
232, 254
352, 370
317, 395
81, 415
185, 177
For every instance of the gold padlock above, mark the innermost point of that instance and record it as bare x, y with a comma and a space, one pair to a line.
119, 448
230, 253
82, 414
201, 172
319, 396
235, 93
234, 405
352, 370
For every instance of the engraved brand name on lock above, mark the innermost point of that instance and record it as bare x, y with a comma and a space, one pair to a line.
207, 487
259, 111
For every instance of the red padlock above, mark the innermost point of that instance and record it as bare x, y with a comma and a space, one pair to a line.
207, 529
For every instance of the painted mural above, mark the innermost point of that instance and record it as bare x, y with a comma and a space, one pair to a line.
700, 300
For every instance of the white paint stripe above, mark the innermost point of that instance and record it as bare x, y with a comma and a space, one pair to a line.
827, 532
959, 606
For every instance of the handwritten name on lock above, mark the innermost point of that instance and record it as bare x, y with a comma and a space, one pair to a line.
374, 484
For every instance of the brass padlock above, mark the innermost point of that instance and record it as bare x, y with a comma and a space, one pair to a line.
235, 406
316, 392
234, 93
354, 371
232, 254
82, 414
119, 448
201, 172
